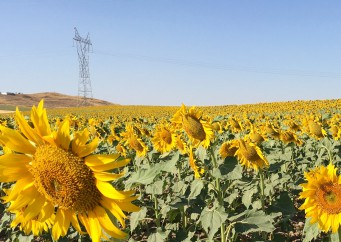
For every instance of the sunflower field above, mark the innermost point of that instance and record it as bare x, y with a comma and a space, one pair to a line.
261, 172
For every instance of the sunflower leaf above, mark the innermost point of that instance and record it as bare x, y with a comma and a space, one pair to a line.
254, 221
310, 231
196, 187
136, 217
211, 219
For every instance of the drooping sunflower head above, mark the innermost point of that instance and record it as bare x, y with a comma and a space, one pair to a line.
228, 148
198, 130
181, 145
58, 181
250, 155
198, 171
290, 137
322, 194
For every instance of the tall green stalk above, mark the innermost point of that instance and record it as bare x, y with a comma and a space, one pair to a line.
261, 185
220, 195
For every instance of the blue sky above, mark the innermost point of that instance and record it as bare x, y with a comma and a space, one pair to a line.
196, 52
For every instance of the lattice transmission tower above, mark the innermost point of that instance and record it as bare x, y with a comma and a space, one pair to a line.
84, 84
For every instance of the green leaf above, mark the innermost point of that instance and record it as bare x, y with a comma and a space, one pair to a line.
156, 188
201, 153
136, 217
254, 221
247, 196
236, 173
158, 236
143, 176
170, 165
310, 231
211, 219
284, 205
196, 187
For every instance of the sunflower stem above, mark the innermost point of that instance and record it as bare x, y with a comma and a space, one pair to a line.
220, 195
331, 160
261, 184
339, 233
156, 209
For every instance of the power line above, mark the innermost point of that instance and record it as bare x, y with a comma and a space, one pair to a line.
218, 66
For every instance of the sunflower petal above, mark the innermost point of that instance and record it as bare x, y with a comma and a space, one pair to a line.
97, 160
114, 209
107, 224
109, 191
40, 120
63, 135
13, 167
15, 141
26, 129
34, 208
110, 166
105, 176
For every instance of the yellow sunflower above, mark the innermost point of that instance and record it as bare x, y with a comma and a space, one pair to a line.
132, 140
56, 179
181, 144
164, 139
228, 148
289, 137
198, 171
250, 155
196, 127
314, 127
322, 194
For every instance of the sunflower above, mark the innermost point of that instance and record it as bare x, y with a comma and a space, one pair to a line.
322, 194
196, 127
198, 171
228, 148
314, 127
250, 155
164, 139
58, 182
181, 144
290, 137
131, 139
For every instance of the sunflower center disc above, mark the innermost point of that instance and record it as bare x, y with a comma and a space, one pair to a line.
135, 144
166, 136
249, 152
64, 179
315, 128
329, 197
194, 128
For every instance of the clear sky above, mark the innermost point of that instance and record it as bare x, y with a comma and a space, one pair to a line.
168, 52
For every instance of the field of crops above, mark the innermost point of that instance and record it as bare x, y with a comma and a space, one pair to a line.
261, 172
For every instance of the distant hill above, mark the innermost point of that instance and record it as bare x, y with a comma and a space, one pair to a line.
51, 100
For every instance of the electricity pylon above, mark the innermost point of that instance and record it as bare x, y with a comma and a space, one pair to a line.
84, 85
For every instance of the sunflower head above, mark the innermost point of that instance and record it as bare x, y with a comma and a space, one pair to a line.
322, 194
228, 148
164, 139
58, 180
250, 155
197, 129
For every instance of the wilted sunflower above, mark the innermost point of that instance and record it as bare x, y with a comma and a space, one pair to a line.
228, 148
314, 127
250, 155
198, 130
198, 171
290, 137
58, 180
322, 194
164, 139
181, 144
133, 141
